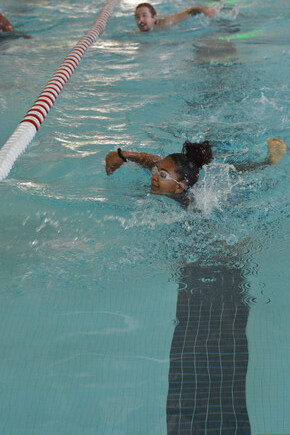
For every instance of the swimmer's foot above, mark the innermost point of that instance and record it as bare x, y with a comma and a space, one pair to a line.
276, 150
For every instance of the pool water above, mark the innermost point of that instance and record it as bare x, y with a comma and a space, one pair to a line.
122, 312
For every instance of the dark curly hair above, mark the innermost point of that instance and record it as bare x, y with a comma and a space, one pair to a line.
193, 157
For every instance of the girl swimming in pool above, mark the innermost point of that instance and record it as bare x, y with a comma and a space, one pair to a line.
175, 174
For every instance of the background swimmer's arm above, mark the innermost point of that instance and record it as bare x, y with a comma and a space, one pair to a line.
276, 150
114, 161
206, 10
170, 20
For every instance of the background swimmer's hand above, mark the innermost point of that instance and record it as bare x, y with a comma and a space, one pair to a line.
113, 162
208, 11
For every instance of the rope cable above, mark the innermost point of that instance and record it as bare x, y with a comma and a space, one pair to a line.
28, 127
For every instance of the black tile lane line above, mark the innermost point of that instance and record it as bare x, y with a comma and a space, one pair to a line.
209, 354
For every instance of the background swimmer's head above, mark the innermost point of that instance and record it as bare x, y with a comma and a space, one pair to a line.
148, 6
145, 16
193, 157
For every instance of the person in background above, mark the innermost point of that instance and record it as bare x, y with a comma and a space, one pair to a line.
7, 30
5, 24
146, 16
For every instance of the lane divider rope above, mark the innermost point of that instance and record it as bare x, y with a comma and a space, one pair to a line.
26, 130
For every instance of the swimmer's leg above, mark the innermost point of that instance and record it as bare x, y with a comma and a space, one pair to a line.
276, 150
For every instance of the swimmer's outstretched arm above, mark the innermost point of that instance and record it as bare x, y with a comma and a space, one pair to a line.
276, 150
171, 20
114, 161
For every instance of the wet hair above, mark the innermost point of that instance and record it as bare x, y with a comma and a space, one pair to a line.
193, 157
147, 5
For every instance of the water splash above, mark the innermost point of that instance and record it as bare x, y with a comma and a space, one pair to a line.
213, 192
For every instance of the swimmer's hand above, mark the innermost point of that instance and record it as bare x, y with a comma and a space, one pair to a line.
25, 35
276, 150
113, 162
208, 11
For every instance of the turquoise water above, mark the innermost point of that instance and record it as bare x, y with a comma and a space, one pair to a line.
92, 266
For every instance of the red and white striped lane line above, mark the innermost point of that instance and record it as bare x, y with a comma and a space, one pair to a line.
33, 119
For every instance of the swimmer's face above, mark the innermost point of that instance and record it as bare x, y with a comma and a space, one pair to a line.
144, 19
162, 186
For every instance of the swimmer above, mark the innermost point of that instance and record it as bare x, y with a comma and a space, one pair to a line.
146, 16
175, 174
5, 24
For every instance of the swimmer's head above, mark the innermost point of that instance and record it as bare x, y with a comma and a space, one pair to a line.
175, 174
166, 180
193, 157
145, 16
